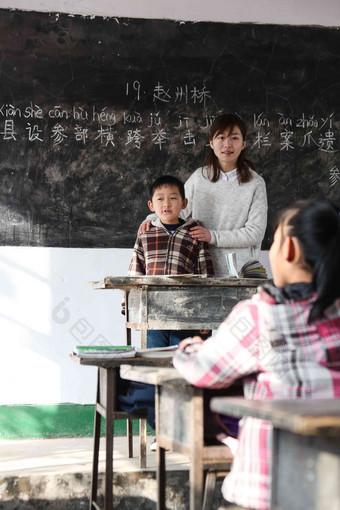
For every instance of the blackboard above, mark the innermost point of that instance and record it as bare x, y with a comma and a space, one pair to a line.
93, 109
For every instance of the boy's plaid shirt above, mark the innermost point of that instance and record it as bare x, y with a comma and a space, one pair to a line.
157, 252
279, 355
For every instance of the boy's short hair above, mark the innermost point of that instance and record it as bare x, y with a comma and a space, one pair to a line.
167, 179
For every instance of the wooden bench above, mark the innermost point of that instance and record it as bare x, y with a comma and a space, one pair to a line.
180, 427
306, 449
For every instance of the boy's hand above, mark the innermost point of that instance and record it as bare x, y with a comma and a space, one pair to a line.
200, 233
144, 227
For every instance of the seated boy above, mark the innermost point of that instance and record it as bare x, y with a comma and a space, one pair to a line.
166, 249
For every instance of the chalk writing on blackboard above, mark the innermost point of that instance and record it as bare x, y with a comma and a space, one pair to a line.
181, 93
334, 176
102, 125
322, 136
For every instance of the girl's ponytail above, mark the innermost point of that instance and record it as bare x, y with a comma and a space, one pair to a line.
326, 274
316, 225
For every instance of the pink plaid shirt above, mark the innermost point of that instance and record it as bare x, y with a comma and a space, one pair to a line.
281, 356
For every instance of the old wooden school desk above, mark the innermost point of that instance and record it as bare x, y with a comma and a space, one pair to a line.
180, 427
175, 302
306, 449
106, 406
178, 302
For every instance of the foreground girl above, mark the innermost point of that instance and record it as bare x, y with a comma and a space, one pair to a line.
284, 342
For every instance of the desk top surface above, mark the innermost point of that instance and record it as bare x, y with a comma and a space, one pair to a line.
169, 376
117, 362
151, 375
307, 417
129, 282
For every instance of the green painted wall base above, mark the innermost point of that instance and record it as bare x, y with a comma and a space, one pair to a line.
63, 420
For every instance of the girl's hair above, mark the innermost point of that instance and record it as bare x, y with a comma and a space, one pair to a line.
223, 123
316, 226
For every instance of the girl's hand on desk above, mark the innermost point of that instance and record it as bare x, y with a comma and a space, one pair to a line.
200, 233
144, 227
189, 341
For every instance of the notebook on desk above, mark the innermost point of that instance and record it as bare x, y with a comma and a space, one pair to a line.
156, 352
105, 351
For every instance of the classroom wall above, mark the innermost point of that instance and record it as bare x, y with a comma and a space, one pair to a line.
46, 303
47, 306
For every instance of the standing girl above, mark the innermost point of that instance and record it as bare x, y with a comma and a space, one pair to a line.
228, 197
284, 342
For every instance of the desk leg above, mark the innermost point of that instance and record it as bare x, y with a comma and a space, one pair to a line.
209, 490
129, 433
161, 478
196, 474
127, 330
160, 457
95, 460
108, 494
142, 443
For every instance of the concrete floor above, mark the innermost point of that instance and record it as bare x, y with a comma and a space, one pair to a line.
55, 474
34, 473
74, 455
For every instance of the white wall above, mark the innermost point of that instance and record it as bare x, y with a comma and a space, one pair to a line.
45, 305
291, 12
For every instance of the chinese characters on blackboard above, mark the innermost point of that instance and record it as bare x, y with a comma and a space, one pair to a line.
110, 128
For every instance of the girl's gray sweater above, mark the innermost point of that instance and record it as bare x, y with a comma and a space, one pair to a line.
235, 214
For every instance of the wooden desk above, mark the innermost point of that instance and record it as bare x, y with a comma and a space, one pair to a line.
106, 407
162, 302
306, 449
180, 427
178, 302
